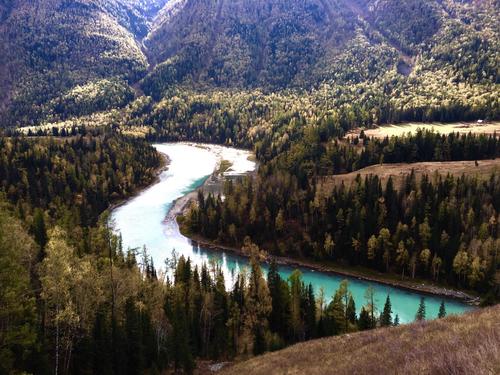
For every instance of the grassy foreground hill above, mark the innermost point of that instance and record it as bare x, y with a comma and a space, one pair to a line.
467, 344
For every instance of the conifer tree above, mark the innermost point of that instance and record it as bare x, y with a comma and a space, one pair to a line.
364, 321
351, 311
442, 310
310, 313
39, 229
396, 320
258, 304
385, 317
280, 307
179, 342
421, 310
133, 330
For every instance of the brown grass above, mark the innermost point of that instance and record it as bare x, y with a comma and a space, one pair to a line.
467, 344
442, 128
400, 170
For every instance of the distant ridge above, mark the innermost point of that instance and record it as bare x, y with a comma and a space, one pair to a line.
50, 48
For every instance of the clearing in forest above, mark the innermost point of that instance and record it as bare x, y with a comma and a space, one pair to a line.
438, 127
399, 171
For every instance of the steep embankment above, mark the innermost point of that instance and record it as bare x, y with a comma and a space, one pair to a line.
467, 344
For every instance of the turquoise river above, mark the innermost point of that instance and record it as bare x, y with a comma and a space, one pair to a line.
142, 221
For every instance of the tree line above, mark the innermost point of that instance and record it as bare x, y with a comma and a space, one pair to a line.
83, 172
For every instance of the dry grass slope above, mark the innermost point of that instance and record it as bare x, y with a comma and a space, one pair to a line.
467, 344
398, 171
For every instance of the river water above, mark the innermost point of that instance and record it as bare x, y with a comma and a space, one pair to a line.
142, 222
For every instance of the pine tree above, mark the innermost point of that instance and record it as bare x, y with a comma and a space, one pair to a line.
310, 313
180, 347
221, 314
277, 319
351, 311
102, 344
258, 304
133, 329
442, 310
336, 314
39, 229
421, 310
385, 317
396, 320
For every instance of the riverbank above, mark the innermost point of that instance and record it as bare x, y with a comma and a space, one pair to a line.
181, 206
163, 167
213, 183
358, 273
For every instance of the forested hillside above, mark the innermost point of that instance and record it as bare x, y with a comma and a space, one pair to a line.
441, 227
431, 60
275, 44
73, 301
51, 48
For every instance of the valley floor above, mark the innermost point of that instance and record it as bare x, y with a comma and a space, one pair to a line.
402, 129
398, 171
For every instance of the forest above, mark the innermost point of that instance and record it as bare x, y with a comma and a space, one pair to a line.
74, 301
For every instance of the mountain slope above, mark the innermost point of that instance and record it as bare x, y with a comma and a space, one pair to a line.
467, 344
49, 47
259, 43
92, 55
294, 43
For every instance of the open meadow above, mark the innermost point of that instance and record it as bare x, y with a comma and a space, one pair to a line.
398, 171
442, 128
